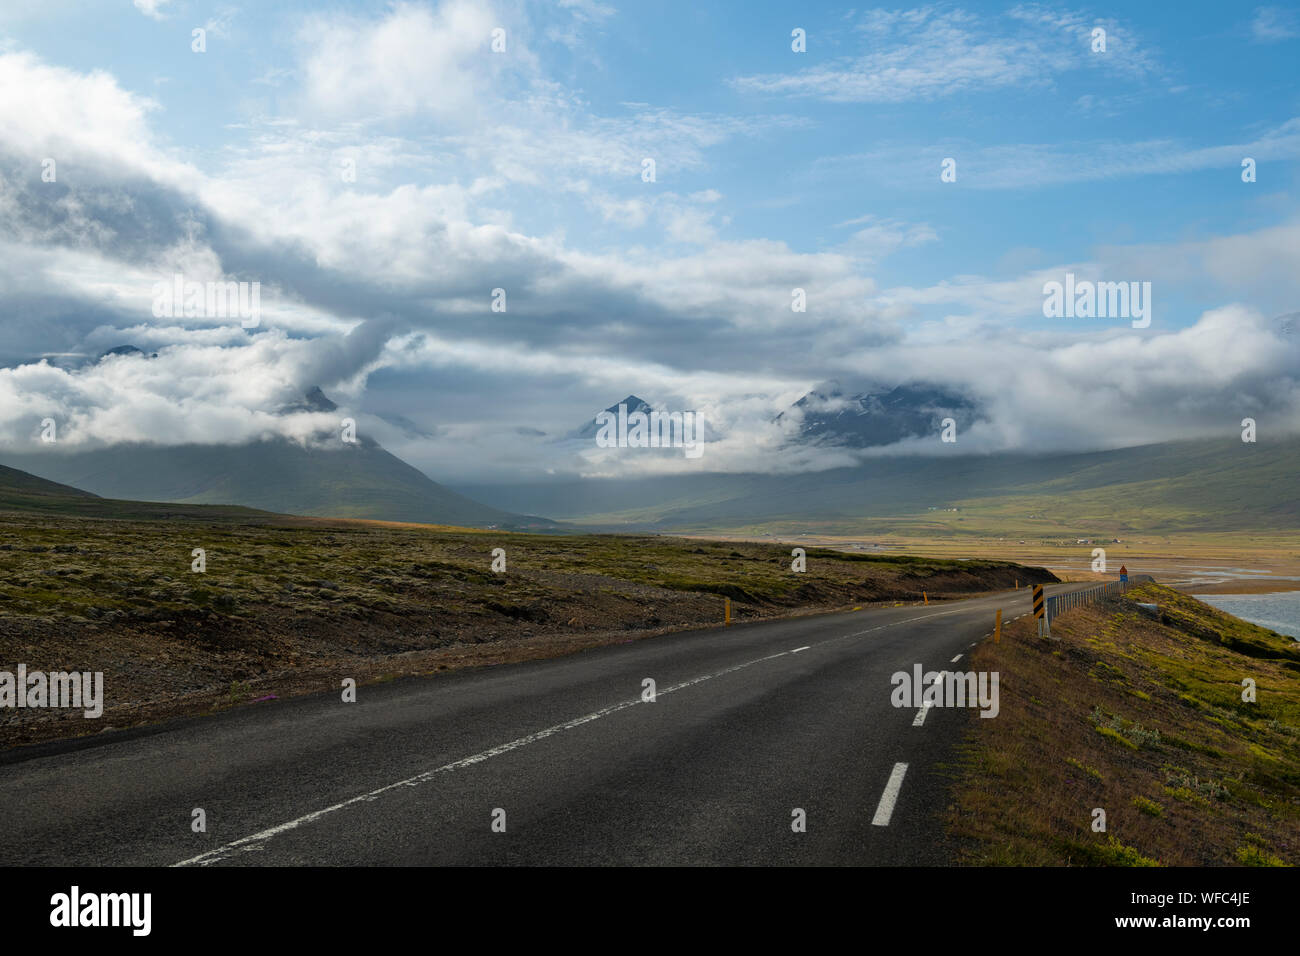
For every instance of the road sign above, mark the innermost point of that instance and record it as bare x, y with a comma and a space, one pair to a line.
1040, 610
1123, 574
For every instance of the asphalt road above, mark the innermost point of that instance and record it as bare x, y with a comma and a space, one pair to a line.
749, 723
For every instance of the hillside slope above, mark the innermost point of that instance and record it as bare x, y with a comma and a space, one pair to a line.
1202, 486
21, 487
349, 481
22, 493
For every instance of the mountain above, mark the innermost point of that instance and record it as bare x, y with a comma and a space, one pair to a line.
313, 401
127, 350
873, 419
332, 479
588, 431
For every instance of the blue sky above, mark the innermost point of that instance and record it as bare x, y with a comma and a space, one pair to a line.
522, 170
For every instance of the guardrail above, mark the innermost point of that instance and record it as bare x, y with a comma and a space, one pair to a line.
1101, 592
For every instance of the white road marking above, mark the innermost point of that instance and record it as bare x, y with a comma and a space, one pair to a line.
256, 840
885, 809
956, 659
908, 621
798, 649
919, 719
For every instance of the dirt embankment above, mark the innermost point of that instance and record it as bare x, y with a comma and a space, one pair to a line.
288, 610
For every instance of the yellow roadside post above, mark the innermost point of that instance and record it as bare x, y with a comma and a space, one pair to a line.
727, 606
997, 628
925, 597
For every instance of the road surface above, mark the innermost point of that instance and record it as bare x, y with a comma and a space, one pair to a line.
749, 723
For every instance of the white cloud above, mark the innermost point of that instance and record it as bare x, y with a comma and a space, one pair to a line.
1036, 165
151, 8
1274, 24
72, 117
390, 276
879, 237
932, 52
416, 60
588, 10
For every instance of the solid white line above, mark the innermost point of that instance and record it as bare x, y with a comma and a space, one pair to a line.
798, 649
919, 719
885, 809
255, 841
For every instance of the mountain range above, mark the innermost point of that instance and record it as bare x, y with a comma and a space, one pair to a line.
1206, 486
334, 479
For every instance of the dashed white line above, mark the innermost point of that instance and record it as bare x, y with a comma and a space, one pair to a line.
885, 809
256, 840
919, 719
907, 621
798, 649
955, 659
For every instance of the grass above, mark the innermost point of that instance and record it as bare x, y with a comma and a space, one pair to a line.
1187, 772
111, 570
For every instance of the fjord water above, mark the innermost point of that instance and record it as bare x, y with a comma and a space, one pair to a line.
1279, 611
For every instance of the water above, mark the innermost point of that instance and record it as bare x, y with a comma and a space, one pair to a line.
1278, 612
